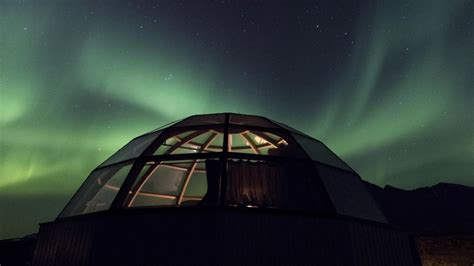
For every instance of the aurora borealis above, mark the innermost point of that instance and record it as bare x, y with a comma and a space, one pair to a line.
387, 85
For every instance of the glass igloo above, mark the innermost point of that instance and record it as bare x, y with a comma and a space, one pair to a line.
225, 160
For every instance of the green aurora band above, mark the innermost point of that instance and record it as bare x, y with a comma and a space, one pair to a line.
399, 109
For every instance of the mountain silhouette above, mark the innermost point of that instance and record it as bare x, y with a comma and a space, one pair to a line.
443, 208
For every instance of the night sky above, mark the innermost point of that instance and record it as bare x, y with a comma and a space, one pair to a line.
387, 85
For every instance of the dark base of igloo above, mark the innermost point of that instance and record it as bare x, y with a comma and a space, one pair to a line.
218, 236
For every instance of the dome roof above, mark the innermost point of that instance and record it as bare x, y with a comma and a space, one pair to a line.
228, 160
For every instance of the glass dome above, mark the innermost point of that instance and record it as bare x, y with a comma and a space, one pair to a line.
226, 160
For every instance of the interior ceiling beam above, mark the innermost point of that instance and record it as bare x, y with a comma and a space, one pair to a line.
193, 166
251, 142
266, 138
185, 140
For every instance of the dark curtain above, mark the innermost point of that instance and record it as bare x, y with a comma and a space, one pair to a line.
288, 185
255, 183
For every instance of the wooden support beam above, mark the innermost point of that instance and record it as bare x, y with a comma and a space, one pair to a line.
156, 195
184, 141
141, 183
191, 170
111, 187
251, 142
266, 138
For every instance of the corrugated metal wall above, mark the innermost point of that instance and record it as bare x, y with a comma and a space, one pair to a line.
377, 245
224, 237
64, 243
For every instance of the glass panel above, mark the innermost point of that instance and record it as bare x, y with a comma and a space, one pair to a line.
132, 150
349, 194
260, 184
249, 120
217, 144
146, 200
264, 143
319, 152
165, 180
164, 126
289, 128
195, 141
98, 191
172, 183
197, 186
199, 120
201, 139
238, 143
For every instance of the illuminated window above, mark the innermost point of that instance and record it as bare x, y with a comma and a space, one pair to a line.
196, 141
178, 183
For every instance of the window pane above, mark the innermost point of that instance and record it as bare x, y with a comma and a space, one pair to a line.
165, 180
172, 183
249, 120
132, 150
238, 143
319, 152
195, 141
288, 128
349, 194
164, 126
264, 143
148, 200
217, 144
98, 192
197, 186
200, 120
